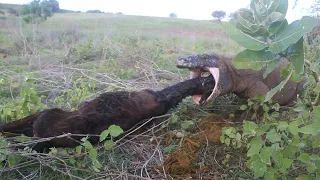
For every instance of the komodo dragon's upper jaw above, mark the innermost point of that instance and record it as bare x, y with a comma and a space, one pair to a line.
194, 73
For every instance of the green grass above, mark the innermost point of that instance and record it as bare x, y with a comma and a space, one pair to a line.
6, 7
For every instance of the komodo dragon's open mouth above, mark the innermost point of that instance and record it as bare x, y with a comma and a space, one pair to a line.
202, 65
197, 72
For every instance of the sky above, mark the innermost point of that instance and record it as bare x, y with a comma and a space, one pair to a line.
187, 9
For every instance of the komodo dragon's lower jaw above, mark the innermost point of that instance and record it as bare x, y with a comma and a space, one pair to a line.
215, 92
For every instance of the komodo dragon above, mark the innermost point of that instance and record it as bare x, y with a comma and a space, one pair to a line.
245, 83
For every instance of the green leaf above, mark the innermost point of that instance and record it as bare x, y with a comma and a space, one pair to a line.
304, 157
12, 160
104, 135
271, 174
254, 60
243, 107
317, 163
222, 138
271, 66
262, 129
287, 163
278, 158
78, 149
53, 150
115, 130
294, 127
307, 177
290, 151
186, 124
261, 9
95, 169
292, 33
72, 161
249, 128
265, 155
97, 164
231, 132
273, 91
315, 143
297, 77
282, 7
311, 168
296, 56
317, 88
316, 111
272, 18
282, 125
93, 154
247, 26
277, 27
4, 151
109, 144
308, 129
238, 136
245, 40
255, 146
258, 167
273, 136
227, 141
314, 157
87, 145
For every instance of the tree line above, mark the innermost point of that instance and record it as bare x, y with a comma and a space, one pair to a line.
39, 10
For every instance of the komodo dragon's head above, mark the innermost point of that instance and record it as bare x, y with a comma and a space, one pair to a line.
202, 65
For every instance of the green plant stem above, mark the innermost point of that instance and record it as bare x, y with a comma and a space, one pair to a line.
314, 74
316, 78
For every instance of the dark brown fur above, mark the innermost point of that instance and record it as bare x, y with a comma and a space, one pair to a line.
125, 109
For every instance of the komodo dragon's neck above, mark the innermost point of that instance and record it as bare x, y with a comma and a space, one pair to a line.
231, 78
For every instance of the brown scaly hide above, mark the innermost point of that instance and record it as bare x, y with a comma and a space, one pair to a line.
125, 109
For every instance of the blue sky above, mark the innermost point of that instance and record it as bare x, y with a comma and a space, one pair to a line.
188, 9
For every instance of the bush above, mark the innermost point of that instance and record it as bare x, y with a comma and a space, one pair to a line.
13, 11
281, 146
94, 11
37, 11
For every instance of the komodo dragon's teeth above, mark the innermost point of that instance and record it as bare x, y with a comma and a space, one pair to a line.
216, 75
195, 73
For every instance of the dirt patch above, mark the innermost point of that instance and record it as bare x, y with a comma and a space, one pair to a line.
183, 161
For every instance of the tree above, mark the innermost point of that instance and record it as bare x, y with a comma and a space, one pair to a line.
39, 10
218, 15
315, 8
173, 15
52, 4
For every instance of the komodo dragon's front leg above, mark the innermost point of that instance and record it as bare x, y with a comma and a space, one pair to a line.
259, 88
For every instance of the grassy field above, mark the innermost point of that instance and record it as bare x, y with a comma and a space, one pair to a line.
73, 57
